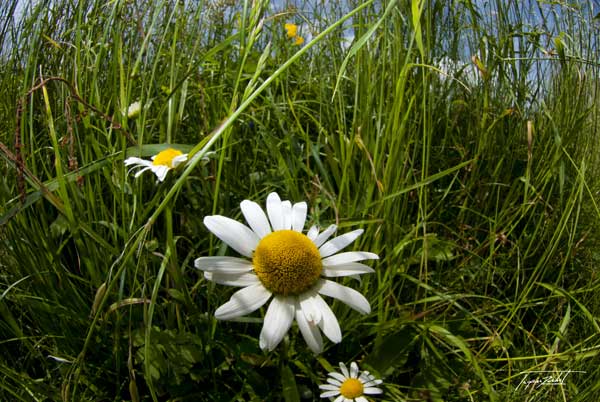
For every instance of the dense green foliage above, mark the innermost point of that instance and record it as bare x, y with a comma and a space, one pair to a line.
461, 135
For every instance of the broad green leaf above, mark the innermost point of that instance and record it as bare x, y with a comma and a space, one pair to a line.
392, 351
288, 384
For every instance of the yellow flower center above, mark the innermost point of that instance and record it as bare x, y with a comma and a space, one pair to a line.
351, 388
291, 30
165, 158
287, 262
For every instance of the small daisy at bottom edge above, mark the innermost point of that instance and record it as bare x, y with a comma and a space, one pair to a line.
350, 385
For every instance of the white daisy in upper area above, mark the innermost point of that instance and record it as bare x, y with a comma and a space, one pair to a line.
283, 263
134, 110
349, 386
160, 164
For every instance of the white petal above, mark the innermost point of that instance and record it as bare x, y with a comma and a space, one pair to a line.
329, 387
353, 370
365, 377
139, 172
328, 394
274, 211
344, 370
310, 307
256, 218
236, 235
179, 159
361, 399
240, 280
372, 390
309, 331
338, 243
351, 268
345, 294
349, 256
329, 323
322, 238
243, 302
160, 172
278, 320
313, 232
299, 216
338, 376
333, 381
137, 161
340, 398
286, 211
372, 383
226, 265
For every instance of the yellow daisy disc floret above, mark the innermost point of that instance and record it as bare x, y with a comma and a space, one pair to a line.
351, 388
165, 158
287, 262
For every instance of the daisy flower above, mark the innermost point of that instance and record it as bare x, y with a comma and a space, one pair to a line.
288, 266
134, 110
292, 33
160, 164
291, 29
349, 386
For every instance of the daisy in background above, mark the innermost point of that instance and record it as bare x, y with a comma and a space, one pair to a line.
160, 164
292, 33
134, 110
288, 266
291, 30
349, 386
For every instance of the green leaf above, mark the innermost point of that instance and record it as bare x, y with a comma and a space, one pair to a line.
360, 43
288, 384
392, 351
452, 339
59, 226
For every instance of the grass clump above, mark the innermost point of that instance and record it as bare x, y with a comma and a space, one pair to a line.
461, 136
